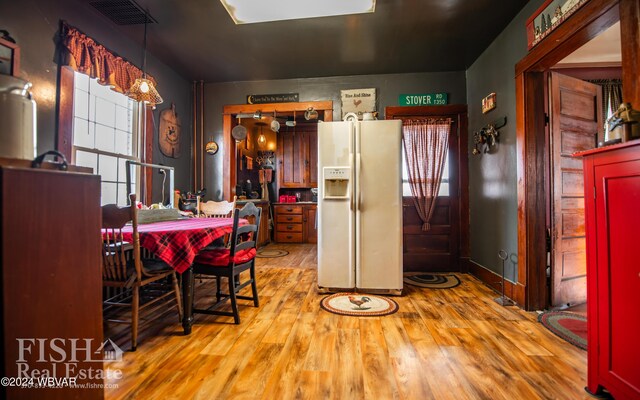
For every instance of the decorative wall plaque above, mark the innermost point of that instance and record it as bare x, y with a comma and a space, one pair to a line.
272, 98
169, 132
358, 101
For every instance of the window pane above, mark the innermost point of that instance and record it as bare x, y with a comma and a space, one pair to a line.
105, 112
122, 170
108, 193
105, 138
122, 119
107, 168
81, 81
444, 184
81, 135
123, 143
122, 194
85, 159
81, 104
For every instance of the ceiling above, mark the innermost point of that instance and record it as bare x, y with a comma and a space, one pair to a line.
606, 48
198, 39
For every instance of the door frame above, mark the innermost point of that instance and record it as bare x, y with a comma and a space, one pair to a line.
458, 113
589, 21
228, 144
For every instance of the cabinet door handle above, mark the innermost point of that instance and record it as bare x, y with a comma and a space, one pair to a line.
289, 219
289, 236
289, 227
289, 209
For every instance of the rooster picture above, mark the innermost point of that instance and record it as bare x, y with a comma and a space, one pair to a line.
359, 301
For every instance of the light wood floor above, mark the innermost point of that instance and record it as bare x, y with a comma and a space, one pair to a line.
442, 344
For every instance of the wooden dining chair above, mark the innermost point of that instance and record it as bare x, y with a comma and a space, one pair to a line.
217, 209
142, 282
230, 262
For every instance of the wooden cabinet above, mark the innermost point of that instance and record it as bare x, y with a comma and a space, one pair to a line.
295, 223
310, 223
51, 282
263, 229
298, 158
612, 205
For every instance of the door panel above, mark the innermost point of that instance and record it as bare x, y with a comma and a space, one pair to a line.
575, 120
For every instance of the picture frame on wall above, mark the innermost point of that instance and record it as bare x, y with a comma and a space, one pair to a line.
548, 17
9, 58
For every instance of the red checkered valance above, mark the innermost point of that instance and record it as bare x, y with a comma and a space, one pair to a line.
85, 55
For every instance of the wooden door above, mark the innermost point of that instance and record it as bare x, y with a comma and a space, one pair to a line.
575, 119
310, 224
291, 150
312, 158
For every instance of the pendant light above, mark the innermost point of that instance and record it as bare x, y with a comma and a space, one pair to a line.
143, 89
262, 139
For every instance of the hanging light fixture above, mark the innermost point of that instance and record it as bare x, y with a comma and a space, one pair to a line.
262, 139
143, 89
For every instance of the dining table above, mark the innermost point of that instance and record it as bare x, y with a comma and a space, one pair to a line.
177, 242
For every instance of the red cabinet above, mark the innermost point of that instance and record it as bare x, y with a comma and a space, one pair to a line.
612, 205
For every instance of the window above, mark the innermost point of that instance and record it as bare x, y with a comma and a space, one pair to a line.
444, 184
104, 137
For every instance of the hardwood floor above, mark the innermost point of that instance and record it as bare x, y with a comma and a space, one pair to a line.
442, 344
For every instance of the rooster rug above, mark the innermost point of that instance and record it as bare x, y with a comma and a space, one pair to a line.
359, 304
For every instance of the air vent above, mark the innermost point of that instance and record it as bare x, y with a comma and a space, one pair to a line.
123, 12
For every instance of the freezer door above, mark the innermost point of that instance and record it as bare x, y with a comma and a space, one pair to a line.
336, 258
378, 194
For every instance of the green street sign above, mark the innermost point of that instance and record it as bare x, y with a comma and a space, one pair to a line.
426, 99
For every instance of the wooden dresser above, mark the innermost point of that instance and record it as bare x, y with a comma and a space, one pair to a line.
295, 222
51, 282
612, 210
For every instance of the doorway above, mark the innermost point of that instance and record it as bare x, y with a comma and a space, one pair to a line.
583, 90
445, 247
587, 22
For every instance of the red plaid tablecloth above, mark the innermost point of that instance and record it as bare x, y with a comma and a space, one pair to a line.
178, 242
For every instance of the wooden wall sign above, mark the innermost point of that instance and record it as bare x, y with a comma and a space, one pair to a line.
169, 132
489, 103
272, 98
358, 101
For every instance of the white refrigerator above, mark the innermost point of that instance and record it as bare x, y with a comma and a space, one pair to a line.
360, 206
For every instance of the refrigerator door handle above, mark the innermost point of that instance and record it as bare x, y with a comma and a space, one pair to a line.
358, 173
351, 189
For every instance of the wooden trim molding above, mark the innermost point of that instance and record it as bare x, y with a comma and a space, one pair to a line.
514, 291
65, 111
229, 146
589, 21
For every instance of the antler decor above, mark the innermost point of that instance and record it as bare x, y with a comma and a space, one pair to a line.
487, 137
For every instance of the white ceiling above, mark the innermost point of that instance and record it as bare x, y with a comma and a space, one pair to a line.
603, 49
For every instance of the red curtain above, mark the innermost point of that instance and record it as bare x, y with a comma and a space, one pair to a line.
426, 143
85, 55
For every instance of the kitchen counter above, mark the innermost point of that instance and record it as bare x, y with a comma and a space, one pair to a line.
297, 202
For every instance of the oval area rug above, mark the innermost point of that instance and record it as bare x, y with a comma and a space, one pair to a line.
359, 304
271, 253
568, 326
431, 281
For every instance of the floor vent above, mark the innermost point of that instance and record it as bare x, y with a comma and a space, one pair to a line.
123, 12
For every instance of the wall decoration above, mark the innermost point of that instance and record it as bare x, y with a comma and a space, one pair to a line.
272, 98
487, 138
546, 18
426, 99
211, 147
9, 56
489, 103
169, 132
358, 101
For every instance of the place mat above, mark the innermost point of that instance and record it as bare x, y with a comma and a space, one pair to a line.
359, 304
271, 253
431, 281
566, 325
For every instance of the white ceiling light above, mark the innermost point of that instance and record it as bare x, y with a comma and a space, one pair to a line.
253, 11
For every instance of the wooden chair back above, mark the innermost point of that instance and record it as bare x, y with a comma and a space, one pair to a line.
246, 236
115, 251
218, 209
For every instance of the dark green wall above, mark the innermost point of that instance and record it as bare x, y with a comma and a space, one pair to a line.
217, 95
493, 184
34, 25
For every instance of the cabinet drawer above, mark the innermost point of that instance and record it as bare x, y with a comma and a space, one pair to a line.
289, 218
289, 227
286, 237
289, 210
